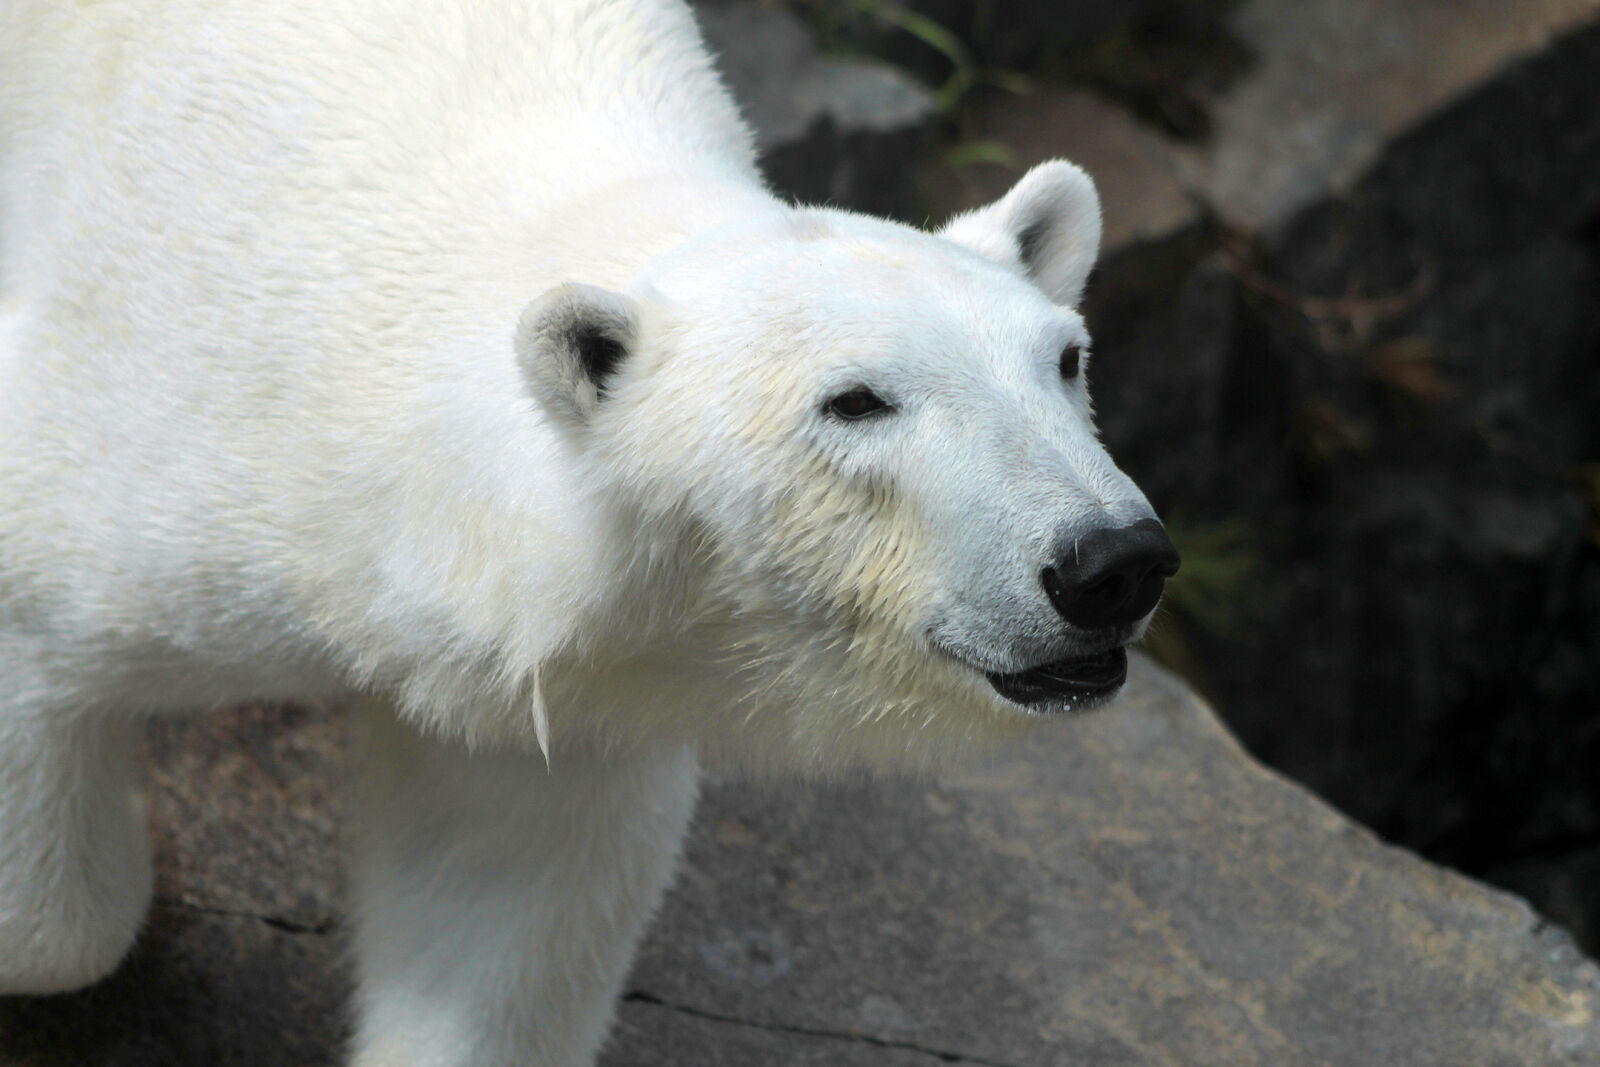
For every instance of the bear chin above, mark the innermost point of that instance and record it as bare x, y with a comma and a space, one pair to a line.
1068, 685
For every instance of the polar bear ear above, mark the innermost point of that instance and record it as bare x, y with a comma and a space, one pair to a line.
1048, 224
570, 344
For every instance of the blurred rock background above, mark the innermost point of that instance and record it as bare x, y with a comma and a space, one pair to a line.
1347, 338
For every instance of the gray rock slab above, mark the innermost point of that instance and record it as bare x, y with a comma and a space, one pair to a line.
1336, 79
246, 813
201, 990
653, 1035
1127, 888
239, 962
1333, 82
1135, 168
1130, 888
829, 129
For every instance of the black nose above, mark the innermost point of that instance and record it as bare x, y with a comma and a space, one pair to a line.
1112, 577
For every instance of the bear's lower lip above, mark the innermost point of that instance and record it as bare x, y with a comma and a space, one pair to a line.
1070, 683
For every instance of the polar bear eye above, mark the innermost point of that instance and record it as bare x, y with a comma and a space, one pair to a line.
857, 404
1071, 361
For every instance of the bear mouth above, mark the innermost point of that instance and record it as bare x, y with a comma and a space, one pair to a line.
1065, 685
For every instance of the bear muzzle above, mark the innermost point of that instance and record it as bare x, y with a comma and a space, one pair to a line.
1106, 583
1067, 685
1111, 578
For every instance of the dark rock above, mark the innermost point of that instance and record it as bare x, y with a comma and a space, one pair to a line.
1561, 878
830, 130
200, 989
1335, 83
1159, 58
1141, 197
1020, 34
1395, 389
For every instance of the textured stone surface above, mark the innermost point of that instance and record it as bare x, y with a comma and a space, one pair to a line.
246, 813
1141, 196
1334, 81
1128, 888
200, 990
830, 129
1395, 393
655, 1035
240, 962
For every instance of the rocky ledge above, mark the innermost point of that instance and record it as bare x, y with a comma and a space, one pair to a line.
1126, 888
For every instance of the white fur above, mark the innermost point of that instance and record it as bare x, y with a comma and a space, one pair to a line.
269, 429
511, 947
1048, 225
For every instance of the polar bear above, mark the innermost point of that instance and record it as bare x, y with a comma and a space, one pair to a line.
450, 360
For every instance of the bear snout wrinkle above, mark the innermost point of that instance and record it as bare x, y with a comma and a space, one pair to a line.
1111, 577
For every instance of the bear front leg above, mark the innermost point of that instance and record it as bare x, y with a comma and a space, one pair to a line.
75, 872
499, 900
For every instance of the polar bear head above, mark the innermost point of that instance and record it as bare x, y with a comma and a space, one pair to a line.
864, 462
